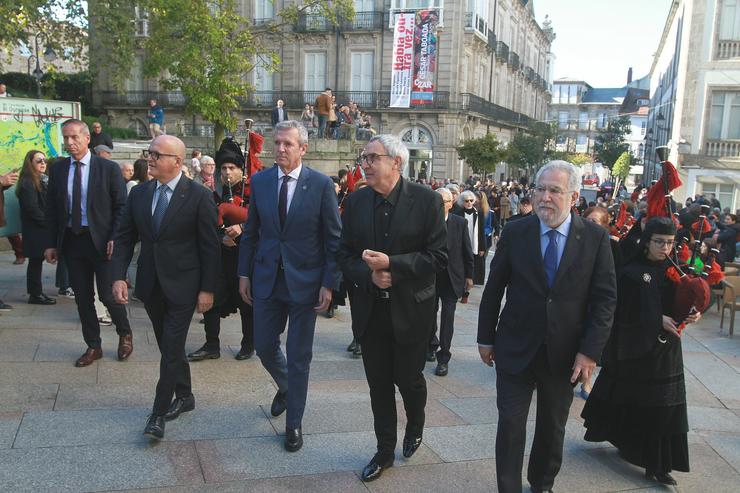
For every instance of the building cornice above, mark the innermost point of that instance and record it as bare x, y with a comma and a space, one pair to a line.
664, 35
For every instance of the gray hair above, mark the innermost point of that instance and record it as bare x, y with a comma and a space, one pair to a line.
445, 193
207, 160
462, 196
125, 163
394, 147
288, 124
574, 174
454, 188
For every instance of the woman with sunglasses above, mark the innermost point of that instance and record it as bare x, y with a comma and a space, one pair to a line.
638, 402
31, 192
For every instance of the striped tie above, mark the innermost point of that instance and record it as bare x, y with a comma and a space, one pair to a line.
160, 209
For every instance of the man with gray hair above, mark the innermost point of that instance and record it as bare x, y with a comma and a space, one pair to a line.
287, 267
390, 266
558, 275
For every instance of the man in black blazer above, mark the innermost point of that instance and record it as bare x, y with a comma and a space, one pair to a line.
452, 283
279, 113
393, 244
178, 267
558, 274
84, 205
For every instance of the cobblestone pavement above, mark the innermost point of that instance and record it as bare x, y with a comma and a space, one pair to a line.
80, 429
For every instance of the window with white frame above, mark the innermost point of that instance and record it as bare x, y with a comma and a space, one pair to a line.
581, 139
563, 119
729, 20
315, 71
398, 6
723, 192
583, 120
263, 11
724, 116
364, 5
135, 80
361, 79
478, 9
643, 127
263, 79
601, 120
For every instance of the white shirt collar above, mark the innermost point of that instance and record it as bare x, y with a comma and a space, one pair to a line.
563, 229
172, 184
293, 174
85, 159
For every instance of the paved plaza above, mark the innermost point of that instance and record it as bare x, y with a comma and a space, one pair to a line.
80, 429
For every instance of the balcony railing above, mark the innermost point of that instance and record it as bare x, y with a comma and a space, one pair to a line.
513, 60
364, 21
171, 99
308, 23
529, 74
476, 104
722, 148
727, 49
502, 51
262, 21
491, 40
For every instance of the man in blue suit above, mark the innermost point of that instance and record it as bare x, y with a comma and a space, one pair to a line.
287, 267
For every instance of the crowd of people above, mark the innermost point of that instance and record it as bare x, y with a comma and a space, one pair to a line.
290, 243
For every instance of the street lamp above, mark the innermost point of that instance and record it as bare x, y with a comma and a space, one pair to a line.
49, 55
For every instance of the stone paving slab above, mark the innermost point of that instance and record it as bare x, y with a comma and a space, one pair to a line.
69, 351
18, 351
9, 423
254, 458
718, 377
98, 467
27, 397
72, 428
727, 446
41, 372
468, 476
712, 419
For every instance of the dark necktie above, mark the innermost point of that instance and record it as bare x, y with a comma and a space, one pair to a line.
551, 257
77, 199
283, 201
160, 209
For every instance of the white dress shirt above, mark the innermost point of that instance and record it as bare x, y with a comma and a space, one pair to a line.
292, 183
169, 190
85, 170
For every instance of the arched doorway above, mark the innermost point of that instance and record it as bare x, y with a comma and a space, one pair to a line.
419, 142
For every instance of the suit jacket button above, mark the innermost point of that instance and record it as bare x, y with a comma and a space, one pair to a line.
549, 300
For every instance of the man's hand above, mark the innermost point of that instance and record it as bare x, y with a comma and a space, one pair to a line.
9, 179
468, 285
120, 292
693, 316
245, 290
582, 369
109, 249
376, 260
486, 355
482, 253
324, 300
228, 241
50, 254
233, 231
205, 301
382, 279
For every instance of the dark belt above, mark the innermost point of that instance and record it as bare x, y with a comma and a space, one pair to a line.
384, 295
83, 230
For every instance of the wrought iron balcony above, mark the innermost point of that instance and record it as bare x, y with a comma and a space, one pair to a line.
364, 21
513, 60
171, 99
728, 49
476, 104
722, 148
308, 23
529, 74
491, 40
502, 51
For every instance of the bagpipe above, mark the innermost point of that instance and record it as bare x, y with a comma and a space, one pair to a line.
235, 208
623, 223
691, 270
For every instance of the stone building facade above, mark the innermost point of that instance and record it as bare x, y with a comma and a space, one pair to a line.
492, 75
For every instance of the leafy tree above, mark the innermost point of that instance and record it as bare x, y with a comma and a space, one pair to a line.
482, 154
209, 48
525, 151
579, 159
610, 144
621, 169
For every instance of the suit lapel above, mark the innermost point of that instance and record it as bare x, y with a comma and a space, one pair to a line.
64, 180
369, 209
176, 202
146, 205
93, 177
401, 214
572, 247
272, 197
299, 194
534, 242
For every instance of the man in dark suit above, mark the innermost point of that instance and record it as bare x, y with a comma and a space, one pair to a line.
452, 283
393, 244
525, 209
84, 205
279, 113
287, 267
178, 268
558, 274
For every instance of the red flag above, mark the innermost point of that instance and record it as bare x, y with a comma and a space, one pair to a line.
622, 216
656, 194
255, 148
353, 177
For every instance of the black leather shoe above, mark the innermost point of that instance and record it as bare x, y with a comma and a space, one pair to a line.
352, 346
330, 312
441, 370
410, 445
357, 353
375, 468
661, 477
244, 353
279, 403
41, 300
155, 427
180, 405
204, 353
431, 356
293, 439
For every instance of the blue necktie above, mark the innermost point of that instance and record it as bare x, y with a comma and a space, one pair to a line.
160, 209
551, 257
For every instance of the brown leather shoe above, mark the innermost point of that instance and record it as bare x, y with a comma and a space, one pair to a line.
90, 355
125, 346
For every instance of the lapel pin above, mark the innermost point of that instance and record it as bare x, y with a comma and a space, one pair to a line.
305, 187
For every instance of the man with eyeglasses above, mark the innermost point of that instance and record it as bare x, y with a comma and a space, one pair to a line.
175, 220
558, 275
394, 241
84, 206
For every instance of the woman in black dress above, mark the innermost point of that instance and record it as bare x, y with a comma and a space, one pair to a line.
31, 191
638, 402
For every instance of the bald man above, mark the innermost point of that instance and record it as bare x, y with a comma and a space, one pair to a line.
175, 220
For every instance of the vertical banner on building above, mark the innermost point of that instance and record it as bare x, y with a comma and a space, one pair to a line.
403, 61
425, 56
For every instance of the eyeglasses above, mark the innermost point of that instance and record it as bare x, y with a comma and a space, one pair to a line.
372, 157
154, 155
469, 200
40, 160
552, 190
664, 243
447, 201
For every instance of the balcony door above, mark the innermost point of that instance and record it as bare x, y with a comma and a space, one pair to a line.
361, 81
315, 73
364, 5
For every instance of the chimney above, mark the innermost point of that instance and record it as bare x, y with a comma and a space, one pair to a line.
629, 76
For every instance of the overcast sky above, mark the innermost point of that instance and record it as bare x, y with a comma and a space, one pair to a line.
598, 40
